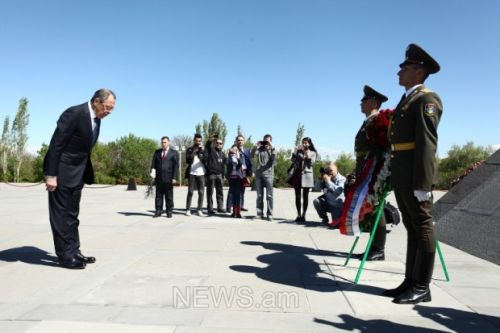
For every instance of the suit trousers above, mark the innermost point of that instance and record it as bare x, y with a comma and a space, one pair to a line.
214, 181
264, 182
421, 243
166, 190
64, 207
198, 183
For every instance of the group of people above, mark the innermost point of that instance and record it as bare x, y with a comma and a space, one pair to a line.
207, 166
403, 141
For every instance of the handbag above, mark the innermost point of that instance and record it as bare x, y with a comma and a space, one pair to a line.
289, 175
391, 214
246, 181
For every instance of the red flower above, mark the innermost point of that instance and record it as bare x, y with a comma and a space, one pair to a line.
377, 131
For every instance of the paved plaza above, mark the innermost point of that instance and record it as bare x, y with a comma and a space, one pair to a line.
219, 274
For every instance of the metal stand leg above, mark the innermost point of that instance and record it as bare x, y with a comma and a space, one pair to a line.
438, 248
379, 212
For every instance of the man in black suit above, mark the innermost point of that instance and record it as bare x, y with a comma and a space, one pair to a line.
67, 167
164, 169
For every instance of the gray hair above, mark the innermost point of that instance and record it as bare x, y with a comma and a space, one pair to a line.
102, 95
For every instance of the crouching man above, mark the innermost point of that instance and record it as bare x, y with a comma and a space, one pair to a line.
332, 199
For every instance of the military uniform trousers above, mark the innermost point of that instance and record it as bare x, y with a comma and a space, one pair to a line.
420, 249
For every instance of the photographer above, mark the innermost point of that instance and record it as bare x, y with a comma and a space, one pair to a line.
264, 176
332, 199
215, 163
195, 172
234, 174
303, 159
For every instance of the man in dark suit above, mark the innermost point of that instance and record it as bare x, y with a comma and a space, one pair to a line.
164, 168
413, 137
67, 167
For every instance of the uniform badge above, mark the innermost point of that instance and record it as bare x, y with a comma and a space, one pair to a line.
430, 109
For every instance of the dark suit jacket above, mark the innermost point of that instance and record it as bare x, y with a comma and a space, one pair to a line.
68, 156
166, 169
416, 120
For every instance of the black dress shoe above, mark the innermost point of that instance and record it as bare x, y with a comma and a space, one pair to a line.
72, 263
84, 259
157, 214
375, 255
169, 215
414, 295
220, 210
398, 290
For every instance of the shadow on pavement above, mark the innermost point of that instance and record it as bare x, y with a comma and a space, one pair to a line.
454, 320
290, 265
353, 324
459, 320
30, 255
135, 214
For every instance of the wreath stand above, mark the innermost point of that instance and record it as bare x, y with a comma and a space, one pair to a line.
378, 214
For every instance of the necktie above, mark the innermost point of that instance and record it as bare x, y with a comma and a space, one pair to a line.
163, 154
95, 131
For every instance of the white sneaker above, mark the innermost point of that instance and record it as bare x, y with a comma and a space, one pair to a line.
200, 213
188, 212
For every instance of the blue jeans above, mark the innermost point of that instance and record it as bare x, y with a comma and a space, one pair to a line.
261, 182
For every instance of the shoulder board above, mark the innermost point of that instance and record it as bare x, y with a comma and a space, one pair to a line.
426, 90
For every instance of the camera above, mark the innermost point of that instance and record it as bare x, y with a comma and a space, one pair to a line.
328, 171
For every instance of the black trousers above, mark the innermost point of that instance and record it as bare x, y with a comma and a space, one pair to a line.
198, 183
164, 190
214, 181
421, 243
64, 207
380, 234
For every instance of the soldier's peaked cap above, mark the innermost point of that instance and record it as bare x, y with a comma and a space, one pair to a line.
372, 93
416, 55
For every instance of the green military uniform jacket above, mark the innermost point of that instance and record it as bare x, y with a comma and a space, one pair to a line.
415, 123
361, 144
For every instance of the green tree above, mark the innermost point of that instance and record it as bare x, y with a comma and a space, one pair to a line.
458, 160
345, 163
19, 136
283, 163
38, 163
213, 127
300, 134
102, 163
131, 158
248, 141
5, 148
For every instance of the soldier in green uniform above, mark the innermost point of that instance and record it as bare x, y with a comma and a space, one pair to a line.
413, 137
370, 105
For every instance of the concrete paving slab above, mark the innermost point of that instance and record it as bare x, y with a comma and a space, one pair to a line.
235, 275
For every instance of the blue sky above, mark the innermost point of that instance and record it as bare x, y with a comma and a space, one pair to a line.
266, 65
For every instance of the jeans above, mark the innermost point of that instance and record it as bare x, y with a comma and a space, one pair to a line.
198, 183
323, 208
261, 183
214, 181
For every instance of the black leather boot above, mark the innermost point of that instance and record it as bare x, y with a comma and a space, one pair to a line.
399, 289
416, 294
377, 249
375, 254
420, 291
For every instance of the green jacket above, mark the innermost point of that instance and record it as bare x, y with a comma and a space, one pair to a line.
415, 123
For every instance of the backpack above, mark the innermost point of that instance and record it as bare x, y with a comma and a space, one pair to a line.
391, 214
